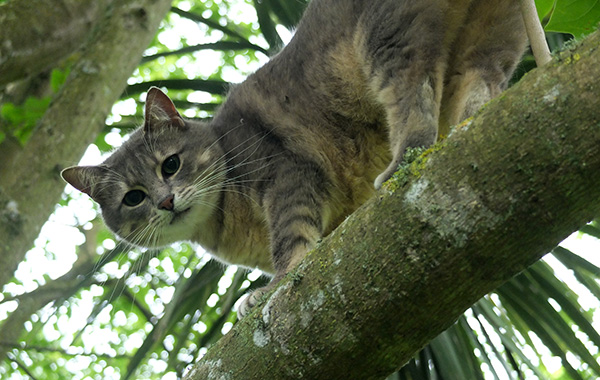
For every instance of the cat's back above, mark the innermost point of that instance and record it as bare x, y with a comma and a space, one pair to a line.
314, 93
351, 67
313, 98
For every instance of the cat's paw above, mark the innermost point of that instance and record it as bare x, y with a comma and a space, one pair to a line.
387, 174
407, 155
250, 301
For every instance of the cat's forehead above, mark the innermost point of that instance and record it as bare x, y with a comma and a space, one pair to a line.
133, 159
141, 149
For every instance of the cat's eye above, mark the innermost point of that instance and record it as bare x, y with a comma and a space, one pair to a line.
171, 165
134, 197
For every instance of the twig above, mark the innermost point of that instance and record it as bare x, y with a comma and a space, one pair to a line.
535, 32
76, 351
21, 365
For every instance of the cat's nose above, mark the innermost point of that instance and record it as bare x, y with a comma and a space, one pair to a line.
167, 203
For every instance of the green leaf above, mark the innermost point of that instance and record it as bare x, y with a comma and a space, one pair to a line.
585, 272
288, 12
544, 7
575, 262
57, 78
578, 17
267, 26
23, 118
567, 300
522, 307
505, 329
591, 230
452, 357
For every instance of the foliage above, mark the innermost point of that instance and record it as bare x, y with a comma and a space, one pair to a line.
122, 313
22, 118
19, 120
577, 17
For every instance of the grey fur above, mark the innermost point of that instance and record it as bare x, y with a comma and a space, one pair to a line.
296, 147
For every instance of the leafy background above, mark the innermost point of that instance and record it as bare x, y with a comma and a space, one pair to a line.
110, 312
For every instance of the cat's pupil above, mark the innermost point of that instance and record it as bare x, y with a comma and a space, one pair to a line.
170, 166
134, 197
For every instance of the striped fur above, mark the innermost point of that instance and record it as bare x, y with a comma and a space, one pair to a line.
297, 147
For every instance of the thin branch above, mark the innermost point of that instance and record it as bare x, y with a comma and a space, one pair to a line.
212, 86
221, 46
208, 22
535, 32
63, 352
21, 365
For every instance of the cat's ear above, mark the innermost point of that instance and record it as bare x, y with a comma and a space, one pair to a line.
83, 178
160, 112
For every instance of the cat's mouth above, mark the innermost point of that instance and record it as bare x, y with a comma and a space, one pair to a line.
179, 215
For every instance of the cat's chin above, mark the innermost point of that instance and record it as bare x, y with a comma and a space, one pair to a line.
178, 216
173, 227
183, 225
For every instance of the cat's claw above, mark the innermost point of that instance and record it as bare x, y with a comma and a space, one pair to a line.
250, 301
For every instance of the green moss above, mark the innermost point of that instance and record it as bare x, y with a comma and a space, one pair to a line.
415, 160
296, 278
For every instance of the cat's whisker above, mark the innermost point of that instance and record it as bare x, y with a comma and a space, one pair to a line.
114, 172
147, 144
215, 189
139, 237
233, 179
267, 159
224, 135
257, 143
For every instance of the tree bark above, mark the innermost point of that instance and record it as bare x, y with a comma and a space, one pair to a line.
36, 34
30, 184
502, 190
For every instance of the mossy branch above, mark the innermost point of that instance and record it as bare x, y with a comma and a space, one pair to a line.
502, 190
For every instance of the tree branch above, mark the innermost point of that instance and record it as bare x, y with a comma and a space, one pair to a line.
502, 190
29, 49
30, 184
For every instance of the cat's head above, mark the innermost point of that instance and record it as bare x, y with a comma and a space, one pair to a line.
162, 183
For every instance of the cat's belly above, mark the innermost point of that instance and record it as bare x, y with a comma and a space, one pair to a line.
353, 185
248, 250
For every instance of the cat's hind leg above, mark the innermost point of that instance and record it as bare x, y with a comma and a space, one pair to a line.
484, 56
404, 60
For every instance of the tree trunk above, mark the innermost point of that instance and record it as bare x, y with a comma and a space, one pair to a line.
36, 34
30, 184
466, 216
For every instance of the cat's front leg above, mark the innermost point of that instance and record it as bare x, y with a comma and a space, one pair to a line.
491, 44
403, 53
293, 207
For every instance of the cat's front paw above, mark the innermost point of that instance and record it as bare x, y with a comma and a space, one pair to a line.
250, 301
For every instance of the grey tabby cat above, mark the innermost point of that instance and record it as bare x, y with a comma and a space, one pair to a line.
297, 147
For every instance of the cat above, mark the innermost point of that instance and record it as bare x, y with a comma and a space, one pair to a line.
310, 136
